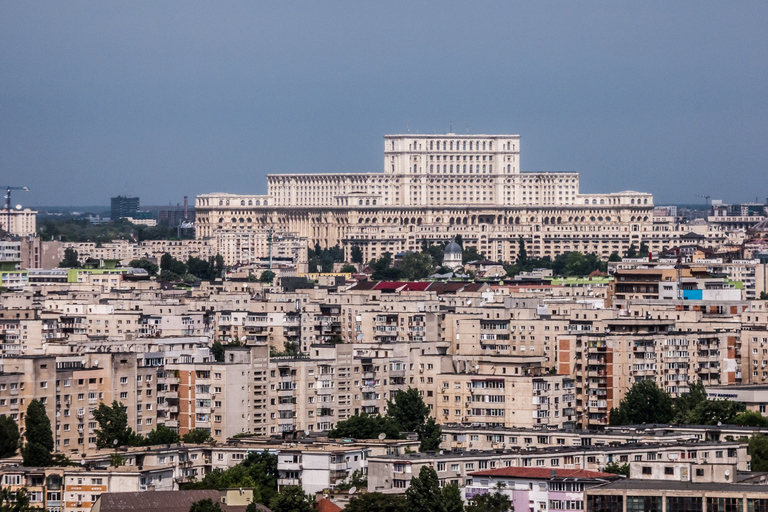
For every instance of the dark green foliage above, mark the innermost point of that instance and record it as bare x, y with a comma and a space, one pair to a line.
147, 265
687, 402
429, 435
14, 501
435, 251
408, 410
631, 252
643, 252
9, 437
365, 426
348, 269
217, 350
70, 259
376, 502
113, 427
116, 459
200, 268
712, 412
522, 255
74, 230
267, 276
495, 501
205, 506
382, 269
452, 498
750, 419
170, 264
356, 255
424, 493
324, 258
197, 436
357, 479
617, 469
415, 265
291, 350
758, 451
257, 471
291, 498
471, 254
645, 402
614, 256
38, 435
763, 295
162, 435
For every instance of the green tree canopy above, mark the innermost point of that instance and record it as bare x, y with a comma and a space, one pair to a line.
452, 498
365, 426
206, 505
750, 419
9, 437
424, 493
356, 254
617, 469
37, 451
267, 276
429, 435
147, 265
14, 501
712, 412
645, 402
348, 269
70, 259
415, 265
495, 501
376, 502
291, 498
162, 435
113, 427
687, 402
758, 451
197, 436
408, 410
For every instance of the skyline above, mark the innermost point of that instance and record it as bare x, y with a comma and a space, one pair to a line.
162, 101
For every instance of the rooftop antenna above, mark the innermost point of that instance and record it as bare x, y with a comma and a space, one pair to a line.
467, 128
408, 127
450, 126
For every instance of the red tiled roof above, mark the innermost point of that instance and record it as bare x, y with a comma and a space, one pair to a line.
416, 287
326, 505
542, 473
389, 285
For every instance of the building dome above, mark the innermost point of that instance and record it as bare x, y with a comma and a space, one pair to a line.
452, 255
453, 248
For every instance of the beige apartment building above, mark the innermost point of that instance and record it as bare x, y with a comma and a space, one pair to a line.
433, 188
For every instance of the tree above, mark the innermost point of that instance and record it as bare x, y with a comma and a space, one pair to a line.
356, 255
348, 269
491, 502
9, 437
471, 254
162, 435
758, 452
644, 250
429, 435
376, 502
631, 252
365, 426
205, 506
687, 402
39, 436
197, 436
617, 469
424, 494
291, 498
614, 256
147, 265
113, 427
70, 259
217, 350
522, 255
452, 498
170, 264
14, 501
267, 276
199, 267
750, 419
645, 402
712, 412
408, 410
416, 265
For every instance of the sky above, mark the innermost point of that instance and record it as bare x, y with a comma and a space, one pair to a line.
166, 99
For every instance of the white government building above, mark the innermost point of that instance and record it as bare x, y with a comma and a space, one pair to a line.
433, 188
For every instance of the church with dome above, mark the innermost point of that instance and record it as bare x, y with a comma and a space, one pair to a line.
452, 257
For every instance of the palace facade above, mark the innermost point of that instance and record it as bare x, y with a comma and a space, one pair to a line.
433, 188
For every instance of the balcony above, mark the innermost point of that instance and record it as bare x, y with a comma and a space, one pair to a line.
288, 481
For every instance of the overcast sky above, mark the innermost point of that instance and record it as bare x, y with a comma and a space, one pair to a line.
166, 99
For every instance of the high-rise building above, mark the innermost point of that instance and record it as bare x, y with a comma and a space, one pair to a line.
124, 206
434, 188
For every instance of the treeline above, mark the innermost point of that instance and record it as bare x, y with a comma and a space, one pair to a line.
82, 230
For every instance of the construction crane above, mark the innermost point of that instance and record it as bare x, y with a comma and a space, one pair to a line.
705, 197
8, 206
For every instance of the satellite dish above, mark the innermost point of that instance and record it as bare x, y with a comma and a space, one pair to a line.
352, 490
18, 207
382, 436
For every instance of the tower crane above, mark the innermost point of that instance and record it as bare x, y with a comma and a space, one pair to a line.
8, 206
705, 197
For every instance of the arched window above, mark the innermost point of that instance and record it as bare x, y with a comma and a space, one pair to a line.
242, 202
602, 201
361, 202
431, 168
430, 145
